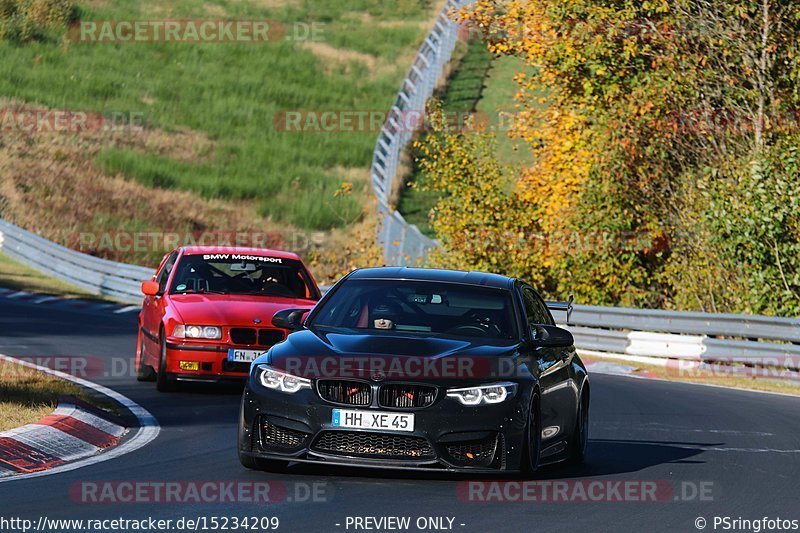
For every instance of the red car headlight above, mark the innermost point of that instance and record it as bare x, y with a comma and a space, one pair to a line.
186, 331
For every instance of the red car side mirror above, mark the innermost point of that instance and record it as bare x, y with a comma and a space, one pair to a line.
150, 288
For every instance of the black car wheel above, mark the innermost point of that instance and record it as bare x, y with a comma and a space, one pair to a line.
163, 381
580, 436
248, 462
533, 439
143, 372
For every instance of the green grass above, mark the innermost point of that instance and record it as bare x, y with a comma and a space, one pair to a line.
231, 92
27, 395
467, 82
461, 94
483, 84
16, 276
497, 99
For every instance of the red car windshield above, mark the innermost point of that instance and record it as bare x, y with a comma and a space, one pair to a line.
242, 274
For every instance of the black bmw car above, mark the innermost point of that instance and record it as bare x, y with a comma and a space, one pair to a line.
421, 369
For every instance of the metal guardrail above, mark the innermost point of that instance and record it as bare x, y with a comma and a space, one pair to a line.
633, 332
630, 332
680, 335
118, 281
687, 348
718, 325
404, 243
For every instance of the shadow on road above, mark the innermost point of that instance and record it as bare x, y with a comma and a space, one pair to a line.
604, 458
609, 457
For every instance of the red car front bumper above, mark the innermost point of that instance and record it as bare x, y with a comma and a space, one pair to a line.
211, 362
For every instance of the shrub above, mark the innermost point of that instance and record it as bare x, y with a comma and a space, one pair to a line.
22, 21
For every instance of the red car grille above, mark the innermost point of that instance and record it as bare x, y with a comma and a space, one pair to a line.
255, 337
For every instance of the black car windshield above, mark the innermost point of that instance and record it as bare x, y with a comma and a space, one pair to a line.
419, 307
242, 274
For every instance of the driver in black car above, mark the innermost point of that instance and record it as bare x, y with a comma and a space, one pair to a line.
382, 313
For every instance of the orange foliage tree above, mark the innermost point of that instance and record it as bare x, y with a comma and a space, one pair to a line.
660, 138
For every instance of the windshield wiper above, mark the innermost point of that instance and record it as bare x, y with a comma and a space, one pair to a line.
202, 292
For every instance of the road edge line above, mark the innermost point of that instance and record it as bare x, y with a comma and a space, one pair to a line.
147, 431
621, 357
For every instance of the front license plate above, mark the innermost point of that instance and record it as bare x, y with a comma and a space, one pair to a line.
346, 418
243, 356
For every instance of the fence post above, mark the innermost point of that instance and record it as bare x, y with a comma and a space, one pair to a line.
418, 85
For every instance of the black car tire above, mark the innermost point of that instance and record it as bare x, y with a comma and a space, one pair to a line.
533, 439
248, 462
163, 381
143, 372
580, 435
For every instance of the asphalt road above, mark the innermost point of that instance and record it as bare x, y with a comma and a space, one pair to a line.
729, 453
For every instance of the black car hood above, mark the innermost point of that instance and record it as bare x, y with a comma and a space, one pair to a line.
320, 354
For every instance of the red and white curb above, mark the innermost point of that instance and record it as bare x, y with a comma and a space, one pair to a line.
614, 366
73, 436
73, 431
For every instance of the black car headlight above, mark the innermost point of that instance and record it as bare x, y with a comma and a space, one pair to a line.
484, 394
281, 381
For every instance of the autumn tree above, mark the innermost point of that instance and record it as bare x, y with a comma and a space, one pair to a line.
665, 148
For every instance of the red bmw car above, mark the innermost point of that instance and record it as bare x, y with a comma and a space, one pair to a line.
207, 312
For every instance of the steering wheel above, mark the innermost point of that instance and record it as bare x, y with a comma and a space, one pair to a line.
469, 331
392, 310
485, 321
276, 289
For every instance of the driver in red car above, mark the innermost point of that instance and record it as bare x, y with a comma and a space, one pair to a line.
207, 312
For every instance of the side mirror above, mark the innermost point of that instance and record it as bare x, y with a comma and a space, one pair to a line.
291, 319
552, 336
150, 288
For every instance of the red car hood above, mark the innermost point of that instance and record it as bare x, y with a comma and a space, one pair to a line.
231, 309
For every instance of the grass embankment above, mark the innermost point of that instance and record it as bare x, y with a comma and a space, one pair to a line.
210, 156
16, 276
479, 84
27, 395
760, 379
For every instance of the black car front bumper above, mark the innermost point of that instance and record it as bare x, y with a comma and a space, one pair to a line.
447, 436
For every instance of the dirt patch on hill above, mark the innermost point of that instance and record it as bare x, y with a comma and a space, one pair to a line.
49, 184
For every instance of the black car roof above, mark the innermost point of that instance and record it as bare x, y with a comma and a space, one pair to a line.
434, 274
